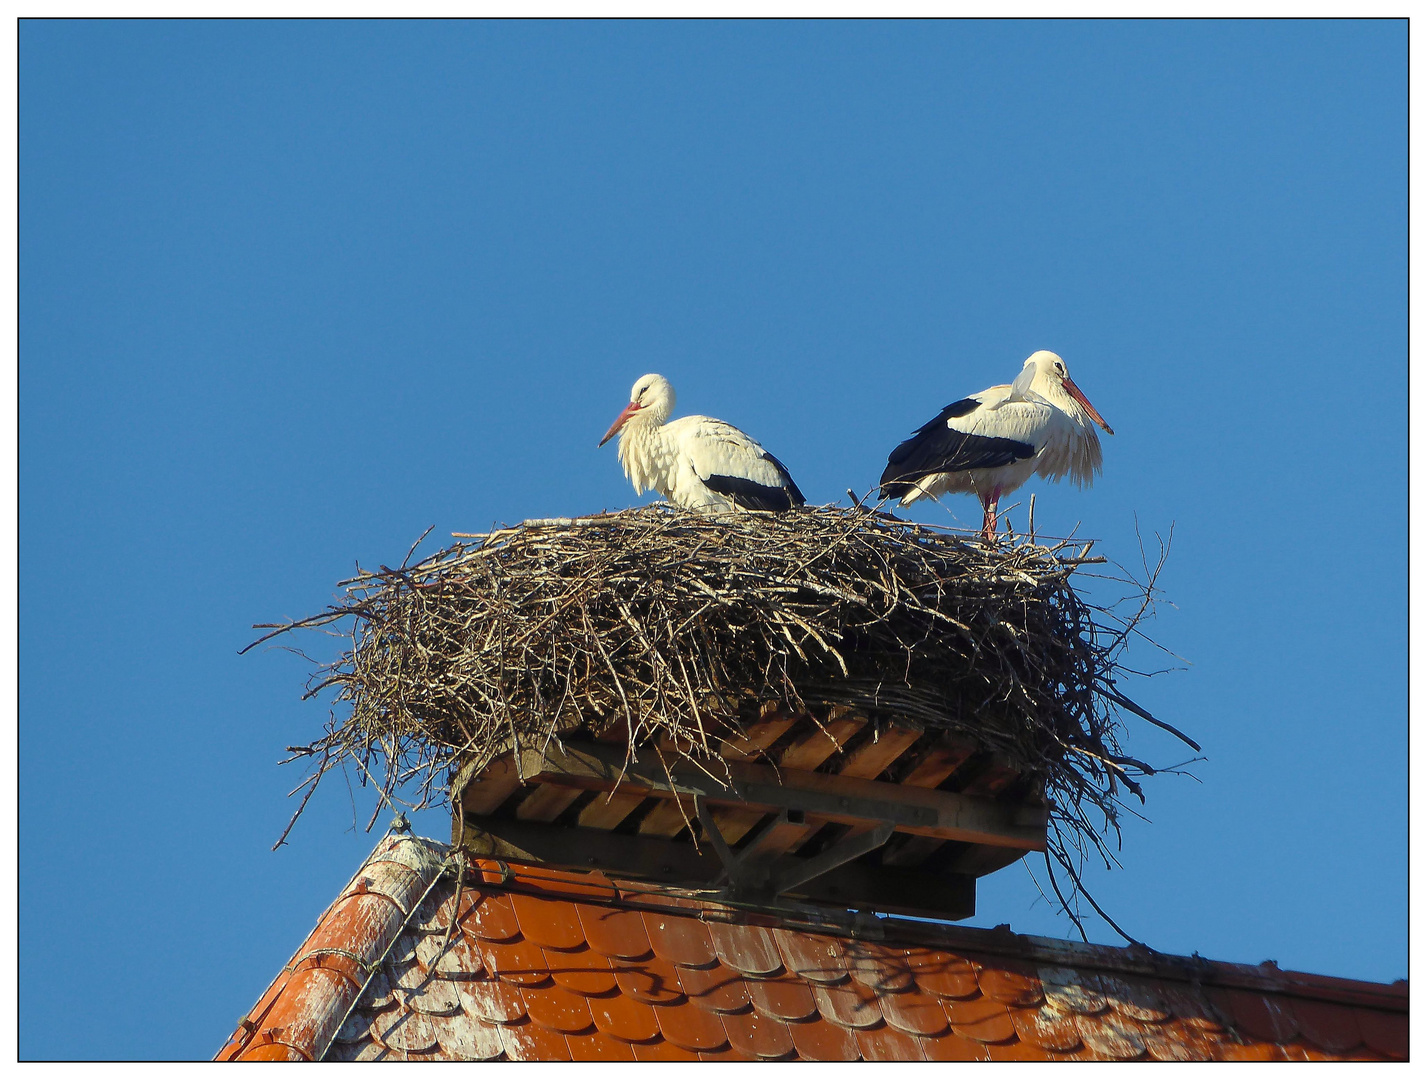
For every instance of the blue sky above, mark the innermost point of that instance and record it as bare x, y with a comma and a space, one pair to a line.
291, 293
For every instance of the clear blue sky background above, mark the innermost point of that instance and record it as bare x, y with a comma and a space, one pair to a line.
290, 293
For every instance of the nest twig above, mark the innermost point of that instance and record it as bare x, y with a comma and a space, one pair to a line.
674, 623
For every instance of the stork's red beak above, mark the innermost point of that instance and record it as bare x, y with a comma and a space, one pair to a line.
629, 410
1073, 391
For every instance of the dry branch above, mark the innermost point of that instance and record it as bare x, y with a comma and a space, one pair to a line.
678, 625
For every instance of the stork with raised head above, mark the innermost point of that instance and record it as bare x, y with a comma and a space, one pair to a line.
991, 443
696, 462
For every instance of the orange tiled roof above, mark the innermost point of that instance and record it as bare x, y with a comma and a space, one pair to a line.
548, 965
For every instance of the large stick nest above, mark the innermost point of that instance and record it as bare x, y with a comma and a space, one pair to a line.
676, 623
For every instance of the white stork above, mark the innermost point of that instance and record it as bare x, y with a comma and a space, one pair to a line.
696, 462
992, 442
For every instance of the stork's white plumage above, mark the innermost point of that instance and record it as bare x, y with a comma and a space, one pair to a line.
991, 443
696, 462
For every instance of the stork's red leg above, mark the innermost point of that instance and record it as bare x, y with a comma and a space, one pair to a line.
988, 522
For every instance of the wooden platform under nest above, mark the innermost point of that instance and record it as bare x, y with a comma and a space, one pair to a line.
829, 810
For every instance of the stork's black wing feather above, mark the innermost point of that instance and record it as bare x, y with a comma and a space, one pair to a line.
937, 448
755, 496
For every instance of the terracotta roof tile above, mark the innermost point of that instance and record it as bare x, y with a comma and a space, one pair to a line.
1014, 984
403, 1029
782, 998
599, 1047
759, 1036
456, 958
1015, 1050
556, 883
943, 974
914, 1012
814, 957
953, 1047
491, 1002
553, 965
718, 989
521, 961
1269, 1019
651, 980
880, 970
850, 1004
614, 932
1230, 1051
1110, 1037
624, 1018
529, 1041
494, 919
1071, 991
1134, 998
1383, 1032
692, 1028
274, 1052
557, 1009
1046, 1028
583, 970
661, 1050
1176, 1042
552, 923
462, 1040
430, 995
1328, 1027
679, 939
824, 1042
883, 1043
747, 949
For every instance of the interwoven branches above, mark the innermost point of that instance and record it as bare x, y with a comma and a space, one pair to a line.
678, 623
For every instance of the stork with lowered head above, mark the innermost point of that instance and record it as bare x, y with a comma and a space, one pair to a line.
991, 443
696, 462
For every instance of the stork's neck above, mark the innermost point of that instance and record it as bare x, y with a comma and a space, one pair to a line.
642, 450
